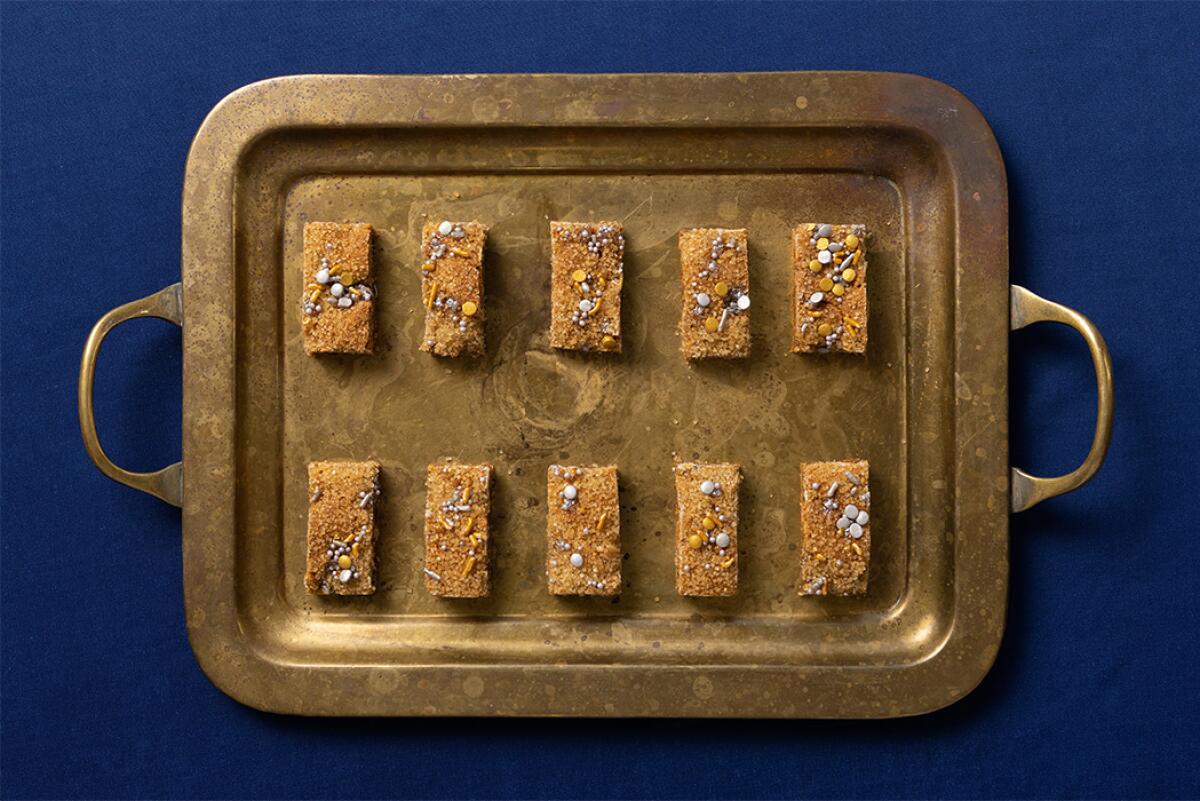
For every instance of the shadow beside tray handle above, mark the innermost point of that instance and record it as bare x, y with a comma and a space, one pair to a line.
167, 483
1026, 308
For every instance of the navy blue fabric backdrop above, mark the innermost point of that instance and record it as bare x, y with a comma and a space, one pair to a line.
1094, 694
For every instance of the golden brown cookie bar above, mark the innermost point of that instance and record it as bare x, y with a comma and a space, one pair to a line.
583, 532
341, 528
339, 288
706, 521
457, 537
452, 288
835, 516
715, 281
586, 275
829, 288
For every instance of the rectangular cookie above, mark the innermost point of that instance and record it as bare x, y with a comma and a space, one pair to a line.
452, 287
835, 517
341, 528
457, 537
706, 521
586, 275
829, 288
715, 279
583, 532
339, 288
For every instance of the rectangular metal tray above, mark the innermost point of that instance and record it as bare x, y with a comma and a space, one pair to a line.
927, 405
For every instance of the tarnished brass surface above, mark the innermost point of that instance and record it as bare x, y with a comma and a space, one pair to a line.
909, 157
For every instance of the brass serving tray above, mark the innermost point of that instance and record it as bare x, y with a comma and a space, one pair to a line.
927, 405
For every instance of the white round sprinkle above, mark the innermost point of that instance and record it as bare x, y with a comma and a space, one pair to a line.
576, 560
345, 575
722, 540
569, 492
336, 290
743, 302
851, 511
817, 297
863, 518
322, 276
856, 531
707, 487
824, 257
445, 228
843, 523
702, 299
345, 302
585, 305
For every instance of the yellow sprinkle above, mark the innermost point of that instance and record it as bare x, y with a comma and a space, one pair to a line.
466, 493
595, 306
815, 266
607, 341
850, 323
354, 549
848, 275
708, 523
851, 241
825, 329
432, 295
822, 243
474, 542
469, 526
722, 288
343, 561
695, 541
446, 524
462, 254
727, 562
470, 563
857, 549
314, 296
810, 227
429, 265
711, 324
469, 308
839, 290
601, 522
858, 256
579, 276
826, 284
310, 286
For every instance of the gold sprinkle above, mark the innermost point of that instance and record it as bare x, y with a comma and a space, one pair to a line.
826, 284
711, 324
429, 265
602, 521
722, 288
354, 549
850, 323
474, 542
447, 525
466, 493
708, 523
595, 306
858, 256
468, 566
848, 275
579, 276
851, 241
607, 341
815, 266
695, 541
727, 563
856, 548
823, 243
469, 308
469, 526
462, 254
343, 561
810, 227
839, 290
825, 329
432, 294
314, 296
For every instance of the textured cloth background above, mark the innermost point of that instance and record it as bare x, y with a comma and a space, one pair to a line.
1095, 691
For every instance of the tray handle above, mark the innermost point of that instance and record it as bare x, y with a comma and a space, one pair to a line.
1026, 308
167, 483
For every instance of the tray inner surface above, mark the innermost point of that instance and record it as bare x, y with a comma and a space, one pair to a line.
526, 406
